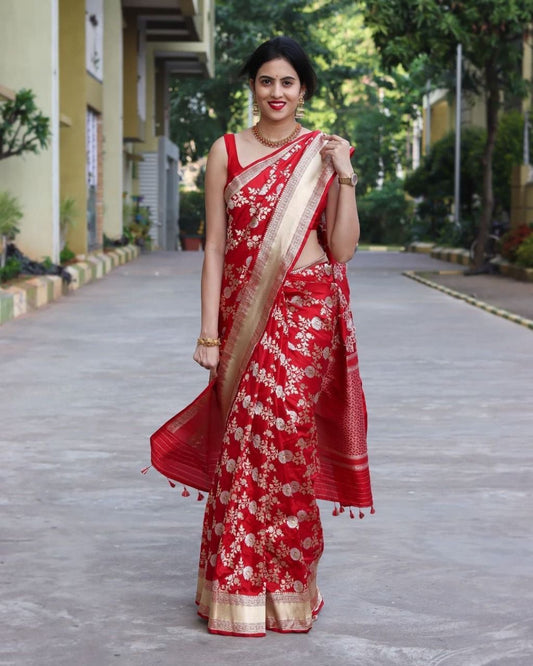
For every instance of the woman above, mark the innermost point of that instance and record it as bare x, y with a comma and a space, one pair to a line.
283, 420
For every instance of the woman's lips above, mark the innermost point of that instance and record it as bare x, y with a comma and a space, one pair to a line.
277, 106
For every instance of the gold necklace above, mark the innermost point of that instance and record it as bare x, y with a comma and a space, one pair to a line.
275, 144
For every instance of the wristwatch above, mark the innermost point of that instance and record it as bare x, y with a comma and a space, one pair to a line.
349, 180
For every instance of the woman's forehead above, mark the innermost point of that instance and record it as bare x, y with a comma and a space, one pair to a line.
279, 68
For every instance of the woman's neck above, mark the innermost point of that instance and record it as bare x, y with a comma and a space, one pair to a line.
276, 130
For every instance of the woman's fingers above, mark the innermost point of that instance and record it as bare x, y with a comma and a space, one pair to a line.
207, 357
337, 150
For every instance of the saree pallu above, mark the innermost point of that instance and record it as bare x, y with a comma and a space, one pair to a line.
284, 423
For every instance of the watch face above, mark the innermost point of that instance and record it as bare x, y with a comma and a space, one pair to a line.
355, 178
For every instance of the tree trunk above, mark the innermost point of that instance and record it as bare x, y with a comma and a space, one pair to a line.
487, 196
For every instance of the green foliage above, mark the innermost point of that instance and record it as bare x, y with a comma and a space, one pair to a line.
140, 227
66, 255
136, 224
491, 33
68, 213
434, 178
68, 216
128, 213
508, 152
10, 214
11, 269
524, 254
23, 128
511, 241
192, 213
330, 31
434, 181
385, 214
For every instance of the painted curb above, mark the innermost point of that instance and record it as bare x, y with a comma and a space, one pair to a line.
499, 312
37, 291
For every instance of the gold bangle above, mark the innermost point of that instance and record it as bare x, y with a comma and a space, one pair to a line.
209, 342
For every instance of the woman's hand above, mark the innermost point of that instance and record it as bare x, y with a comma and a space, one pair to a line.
208, 358
337, 150
341, 209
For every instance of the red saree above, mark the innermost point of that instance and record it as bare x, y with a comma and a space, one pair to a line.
284, 423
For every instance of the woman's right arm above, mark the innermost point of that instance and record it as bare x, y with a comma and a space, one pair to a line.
215, 244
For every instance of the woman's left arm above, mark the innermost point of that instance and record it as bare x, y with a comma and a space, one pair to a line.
342, 220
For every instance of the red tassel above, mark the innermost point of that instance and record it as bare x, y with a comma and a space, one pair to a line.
372, 510
335, 511
352, 515
361, 514
200, 497
341, 510
185, 492
171, 483
145, 469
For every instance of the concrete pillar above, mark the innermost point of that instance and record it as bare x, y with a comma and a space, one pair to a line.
73, 102
112, 119
28, 59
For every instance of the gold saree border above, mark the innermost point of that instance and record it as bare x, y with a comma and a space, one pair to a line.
252, 615
282, 242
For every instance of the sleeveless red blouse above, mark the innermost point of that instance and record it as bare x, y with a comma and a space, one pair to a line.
235, 167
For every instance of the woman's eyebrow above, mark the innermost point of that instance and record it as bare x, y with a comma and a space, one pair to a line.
283, 78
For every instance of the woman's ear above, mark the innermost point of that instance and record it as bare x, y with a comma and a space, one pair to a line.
251, 83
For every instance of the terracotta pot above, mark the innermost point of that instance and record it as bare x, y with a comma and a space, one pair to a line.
191, 243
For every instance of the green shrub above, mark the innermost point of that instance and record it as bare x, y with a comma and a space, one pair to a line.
435, 177
524, 254
66, 255
385, 214
512, 240
10, 270
192, 213
139, 228
10, 214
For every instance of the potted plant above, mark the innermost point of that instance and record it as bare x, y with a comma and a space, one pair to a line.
140, 226
191, 219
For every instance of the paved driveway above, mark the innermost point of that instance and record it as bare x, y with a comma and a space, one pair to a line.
98, 562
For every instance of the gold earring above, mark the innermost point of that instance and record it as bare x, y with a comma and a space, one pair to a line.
255, 109
300, 109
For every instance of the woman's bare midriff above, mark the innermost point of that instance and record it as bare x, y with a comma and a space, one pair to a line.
311, 253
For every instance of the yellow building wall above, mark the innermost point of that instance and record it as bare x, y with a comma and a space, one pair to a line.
132, 123
94, 92
112, 119
28, 54
442, 120
151, 131
73, 103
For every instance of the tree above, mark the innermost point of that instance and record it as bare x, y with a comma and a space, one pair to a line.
356, 99
23, 128
332, 34
491, 33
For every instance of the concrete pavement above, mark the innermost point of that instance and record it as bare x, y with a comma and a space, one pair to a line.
495, 290
98, 562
